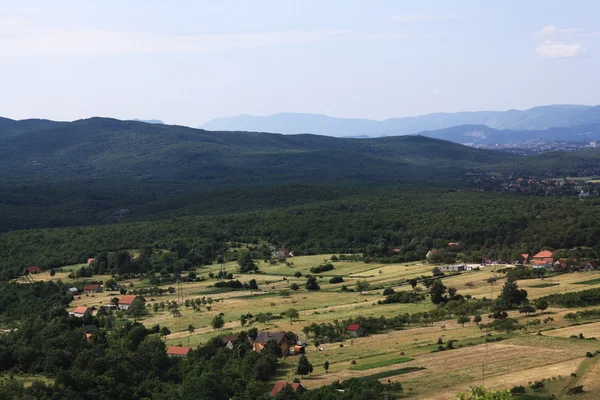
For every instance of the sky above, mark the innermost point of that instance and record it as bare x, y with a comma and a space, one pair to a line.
186, 62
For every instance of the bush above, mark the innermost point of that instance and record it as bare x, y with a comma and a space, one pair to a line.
404, 297
388, 291
575, 390
518, 390
336, 279
322, 268
537, 385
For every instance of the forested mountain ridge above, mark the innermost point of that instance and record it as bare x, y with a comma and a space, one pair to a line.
537, 118
482, 134
100, 147
103, 170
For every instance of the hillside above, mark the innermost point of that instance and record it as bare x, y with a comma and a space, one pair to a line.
481, 134
105, 148
104, 170
537, 118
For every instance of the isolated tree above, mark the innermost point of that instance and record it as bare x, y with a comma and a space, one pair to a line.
155, 307
463, 319
164, 331
191, 328
311, 284
326, 366
477, 319
298, 274
295, 287
413, 282
272, 347
243, 319
542, 305
304, 367
217, 322
137, 308
480, 393
362, 285
246, 263
52, 273
437, 292
527, 309
292, 314
511, 295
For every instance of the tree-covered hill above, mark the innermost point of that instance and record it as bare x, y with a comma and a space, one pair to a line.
103, 170
101, 147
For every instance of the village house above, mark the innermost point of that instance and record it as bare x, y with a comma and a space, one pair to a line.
178, 351
33, 270
543, 256
588, 266
280, 338
125, 302
229, 341
90, 260
82, 311
454, 244
283, 253
280, 385
355, 330
525, 257
72, 291
452, 268
92, 288
430, 252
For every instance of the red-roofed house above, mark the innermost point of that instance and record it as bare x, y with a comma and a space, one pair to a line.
355, 330
92, 288
543, 254
525, 257
430, 252
33, 270
280, 385
90, 260
125, 302
453, 244
82, 311
178, 351
542, 263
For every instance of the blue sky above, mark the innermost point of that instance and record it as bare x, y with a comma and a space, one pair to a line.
186, 62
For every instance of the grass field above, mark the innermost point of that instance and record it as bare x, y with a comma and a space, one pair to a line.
385, 363
426, 373
594, 281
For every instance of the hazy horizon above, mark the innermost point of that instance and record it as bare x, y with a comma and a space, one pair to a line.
188, 63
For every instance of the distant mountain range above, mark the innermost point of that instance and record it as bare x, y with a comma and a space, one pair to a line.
468, 127
150, 121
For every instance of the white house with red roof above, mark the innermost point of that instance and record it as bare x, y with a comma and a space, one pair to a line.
82, 311
355, 330
126, 301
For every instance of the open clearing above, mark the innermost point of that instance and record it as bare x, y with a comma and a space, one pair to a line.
588, 330
409, 356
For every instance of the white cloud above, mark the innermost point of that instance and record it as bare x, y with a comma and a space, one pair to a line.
102, 42
551, 30
560, 50
417, 18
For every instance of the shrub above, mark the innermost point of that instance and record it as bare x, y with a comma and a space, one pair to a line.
518, 390
388, 291
336, 279
322, 268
